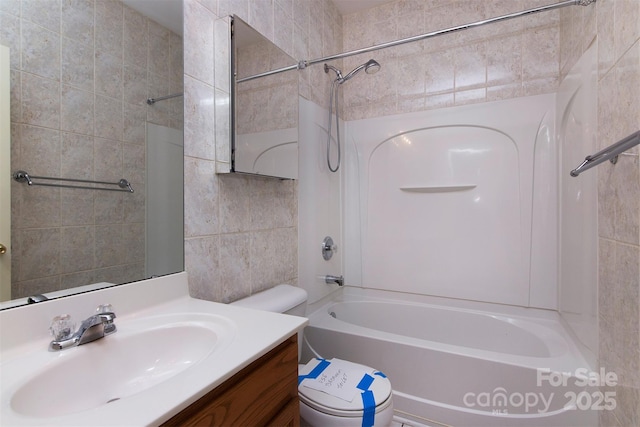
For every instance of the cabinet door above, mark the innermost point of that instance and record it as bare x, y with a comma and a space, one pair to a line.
263, 393
289, 416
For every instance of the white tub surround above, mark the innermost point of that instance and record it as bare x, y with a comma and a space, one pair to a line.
446, 357
320, 202
577, 137
244, 336
458, 202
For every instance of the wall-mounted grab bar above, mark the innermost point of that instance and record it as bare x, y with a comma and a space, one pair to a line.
609, 153
22, 176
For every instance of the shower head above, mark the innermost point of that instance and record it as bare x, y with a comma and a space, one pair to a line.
370, 67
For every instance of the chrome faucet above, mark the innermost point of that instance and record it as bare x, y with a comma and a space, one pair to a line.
91, 329
334, 279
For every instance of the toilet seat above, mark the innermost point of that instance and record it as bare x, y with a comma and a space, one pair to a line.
377, 383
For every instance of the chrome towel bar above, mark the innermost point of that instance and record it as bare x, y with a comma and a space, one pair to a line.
609, 153
22, 176
152, 101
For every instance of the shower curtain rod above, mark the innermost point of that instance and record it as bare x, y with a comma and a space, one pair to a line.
305, 63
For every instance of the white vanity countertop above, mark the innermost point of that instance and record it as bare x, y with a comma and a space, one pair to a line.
25, 337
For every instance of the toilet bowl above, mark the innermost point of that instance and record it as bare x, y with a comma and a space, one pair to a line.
367, 401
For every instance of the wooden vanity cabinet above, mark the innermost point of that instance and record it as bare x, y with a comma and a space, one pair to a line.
265, 393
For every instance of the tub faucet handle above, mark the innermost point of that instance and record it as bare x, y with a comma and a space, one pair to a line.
328, 248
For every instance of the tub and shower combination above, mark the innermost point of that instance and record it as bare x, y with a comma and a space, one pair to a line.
456, 362
451, 265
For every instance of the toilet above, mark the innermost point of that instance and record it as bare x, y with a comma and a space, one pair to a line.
364, 401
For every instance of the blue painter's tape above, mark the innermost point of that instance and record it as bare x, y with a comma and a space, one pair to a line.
315, 372
380, 374
369, 415
365, 382
368, 401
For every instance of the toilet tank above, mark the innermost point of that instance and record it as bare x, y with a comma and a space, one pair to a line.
285, 299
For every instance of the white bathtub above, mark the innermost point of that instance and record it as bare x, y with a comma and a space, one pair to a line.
455, 362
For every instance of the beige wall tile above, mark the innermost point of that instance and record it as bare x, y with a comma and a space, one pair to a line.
39, 207
77, 249
198, 42
108, 74
76, 110
201, 198
109, 245
135, 38
39, 151
76, 156
261, 17
40, 12
159, 53
108, 117
626, 182
133, 242
134, 205
42, 57
199, 119
134, 123
40, 101
223, 125
235, 203
234, 264
16, 95
201, 262
626, 31
77, 20
76, 207
77, 279
109, 26
40, 250
134, 85
108, 160
77, 64
108, 207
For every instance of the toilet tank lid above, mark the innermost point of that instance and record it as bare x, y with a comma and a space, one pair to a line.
278, 299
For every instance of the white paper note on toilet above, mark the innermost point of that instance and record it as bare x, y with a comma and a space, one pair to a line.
339, 379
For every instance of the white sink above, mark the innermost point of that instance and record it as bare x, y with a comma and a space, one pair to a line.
169, 351
141, 354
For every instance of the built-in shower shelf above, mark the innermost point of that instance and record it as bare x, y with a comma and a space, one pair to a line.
437, 188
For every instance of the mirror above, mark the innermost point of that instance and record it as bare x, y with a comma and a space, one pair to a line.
81, 73
265, 119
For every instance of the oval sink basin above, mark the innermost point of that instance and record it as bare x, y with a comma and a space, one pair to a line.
141, 354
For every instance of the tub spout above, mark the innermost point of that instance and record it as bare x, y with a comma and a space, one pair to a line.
334, 279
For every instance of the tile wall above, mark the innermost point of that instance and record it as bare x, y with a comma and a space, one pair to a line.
241, 233
78, 110
615, 26
503, 60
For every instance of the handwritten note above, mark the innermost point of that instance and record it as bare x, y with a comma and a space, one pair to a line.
338, 379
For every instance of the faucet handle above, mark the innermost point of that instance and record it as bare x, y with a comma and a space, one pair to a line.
62, 327
104, 308
106, 314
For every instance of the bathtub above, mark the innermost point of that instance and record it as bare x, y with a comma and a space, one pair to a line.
455, 362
